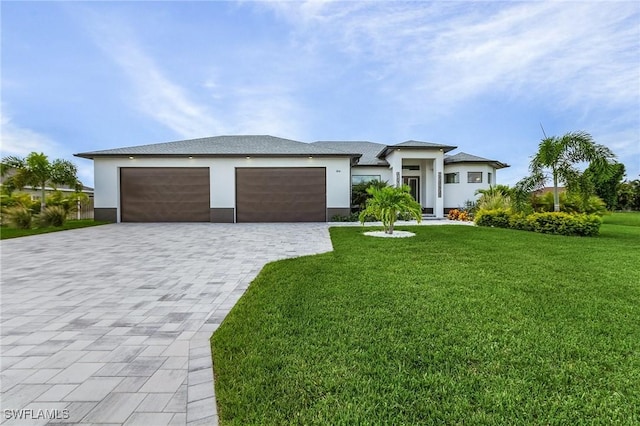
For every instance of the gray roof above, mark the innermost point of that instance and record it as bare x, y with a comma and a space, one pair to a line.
415, 145
224, 146
369, 150
463, 157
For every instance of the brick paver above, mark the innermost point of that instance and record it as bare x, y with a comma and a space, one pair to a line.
111, 324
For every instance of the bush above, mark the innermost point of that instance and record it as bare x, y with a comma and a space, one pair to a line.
565, 223
18, 217
547, 222
461, 215
52, 216
353, 217
570, 203
498, 218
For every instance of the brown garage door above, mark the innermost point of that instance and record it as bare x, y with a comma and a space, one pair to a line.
281, 195
164, 194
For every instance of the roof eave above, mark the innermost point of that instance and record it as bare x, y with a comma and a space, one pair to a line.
388, 148
91, 155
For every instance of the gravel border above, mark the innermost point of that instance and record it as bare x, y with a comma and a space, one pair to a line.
396, 234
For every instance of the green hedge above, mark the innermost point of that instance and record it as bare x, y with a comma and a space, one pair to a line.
547, 223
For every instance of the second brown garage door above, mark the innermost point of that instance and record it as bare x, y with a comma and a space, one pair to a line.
164, 194
281, 194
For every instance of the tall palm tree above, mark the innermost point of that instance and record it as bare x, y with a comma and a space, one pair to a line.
558, 156
37, 171
388, 202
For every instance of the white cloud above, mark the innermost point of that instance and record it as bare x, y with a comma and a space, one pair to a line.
445, 53
20, 141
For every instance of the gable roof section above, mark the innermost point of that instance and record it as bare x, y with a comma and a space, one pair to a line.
231, 146
369, 150
411, 144
463, 157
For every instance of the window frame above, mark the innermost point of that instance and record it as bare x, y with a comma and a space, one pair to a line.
456, 177
470, 179
373, 177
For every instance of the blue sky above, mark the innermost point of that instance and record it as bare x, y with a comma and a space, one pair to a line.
83, 76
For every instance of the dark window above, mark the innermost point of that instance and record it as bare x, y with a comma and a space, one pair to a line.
474, 177
452, 178
356, 179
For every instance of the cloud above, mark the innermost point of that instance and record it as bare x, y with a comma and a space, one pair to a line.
445, 53
155, 95
20, 141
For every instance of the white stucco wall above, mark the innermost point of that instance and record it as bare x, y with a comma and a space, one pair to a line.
222, 176
456, 194
383, 172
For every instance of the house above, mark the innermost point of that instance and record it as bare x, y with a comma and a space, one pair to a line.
259, 178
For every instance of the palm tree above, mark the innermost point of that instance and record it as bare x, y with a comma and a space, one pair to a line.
37, 171
387, 203
559, 157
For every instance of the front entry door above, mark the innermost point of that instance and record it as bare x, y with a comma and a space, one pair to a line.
414, 184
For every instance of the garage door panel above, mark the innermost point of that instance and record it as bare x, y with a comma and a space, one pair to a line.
169, 194
281, 194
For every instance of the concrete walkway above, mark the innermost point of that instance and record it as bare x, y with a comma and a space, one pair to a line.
111, 324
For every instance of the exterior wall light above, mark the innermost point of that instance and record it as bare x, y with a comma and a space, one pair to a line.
130, 157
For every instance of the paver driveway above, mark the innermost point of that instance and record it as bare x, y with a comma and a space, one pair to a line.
111, 324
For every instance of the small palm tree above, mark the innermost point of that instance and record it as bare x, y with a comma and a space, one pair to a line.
559, 156
37, 171
387, 203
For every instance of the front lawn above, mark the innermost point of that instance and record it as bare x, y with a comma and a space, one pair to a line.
458, 325
7, 232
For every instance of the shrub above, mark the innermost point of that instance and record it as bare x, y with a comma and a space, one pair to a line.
52, 216
494, 201
353, 217
18, 217
565, 223
496, 217
461, 215
570, 203
546, 222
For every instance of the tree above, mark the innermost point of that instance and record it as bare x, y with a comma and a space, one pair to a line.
558, 157
387, 203
629, 195
37, 171
605, 184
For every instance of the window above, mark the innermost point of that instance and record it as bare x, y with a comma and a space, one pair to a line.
356, 179
474, 177
489, 176
452, 178
410, 167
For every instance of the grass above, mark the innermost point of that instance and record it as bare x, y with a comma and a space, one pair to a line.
6, 232
623, 218
458, 325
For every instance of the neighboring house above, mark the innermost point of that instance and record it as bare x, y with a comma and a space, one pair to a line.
36, 193
270, 179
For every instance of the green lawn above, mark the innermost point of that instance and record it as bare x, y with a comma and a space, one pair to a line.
458, 325
6, 232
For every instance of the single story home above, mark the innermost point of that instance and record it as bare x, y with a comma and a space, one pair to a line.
259, 178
